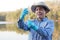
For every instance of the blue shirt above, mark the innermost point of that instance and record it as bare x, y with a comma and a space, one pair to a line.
44, 31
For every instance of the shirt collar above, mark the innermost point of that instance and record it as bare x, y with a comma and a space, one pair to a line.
44, 19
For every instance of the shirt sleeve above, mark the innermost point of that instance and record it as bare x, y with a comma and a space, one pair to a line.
48, 30
22, 25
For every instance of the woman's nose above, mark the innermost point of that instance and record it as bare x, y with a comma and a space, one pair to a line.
39, 11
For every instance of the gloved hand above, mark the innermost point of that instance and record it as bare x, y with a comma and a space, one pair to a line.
32, 25
23, 14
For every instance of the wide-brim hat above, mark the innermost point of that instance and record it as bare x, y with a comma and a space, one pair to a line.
41, 4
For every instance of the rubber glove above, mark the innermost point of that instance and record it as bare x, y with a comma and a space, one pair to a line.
32, 25
23, 14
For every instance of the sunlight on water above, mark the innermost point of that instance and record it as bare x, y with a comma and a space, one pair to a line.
6, 35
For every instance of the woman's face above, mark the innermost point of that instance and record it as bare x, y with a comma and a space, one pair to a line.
40, 12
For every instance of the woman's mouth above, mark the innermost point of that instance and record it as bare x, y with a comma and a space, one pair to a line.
39, 14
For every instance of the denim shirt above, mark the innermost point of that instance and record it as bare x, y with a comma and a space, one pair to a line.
44, 31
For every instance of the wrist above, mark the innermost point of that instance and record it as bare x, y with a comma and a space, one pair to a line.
35, 27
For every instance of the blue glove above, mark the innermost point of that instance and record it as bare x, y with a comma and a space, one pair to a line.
32, 25
23, 14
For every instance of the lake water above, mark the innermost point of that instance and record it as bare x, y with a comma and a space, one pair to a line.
6, 35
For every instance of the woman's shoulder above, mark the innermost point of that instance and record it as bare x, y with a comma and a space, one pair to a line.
50, 21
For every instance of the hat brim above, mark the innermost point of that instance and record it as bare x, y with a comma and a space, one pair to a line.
33, 7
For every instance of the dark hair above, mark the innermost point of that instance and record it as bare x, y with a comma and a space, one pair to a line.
46, 16
42, 7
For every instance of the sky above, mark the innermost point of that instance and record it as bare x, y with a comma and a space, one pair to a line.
12, 5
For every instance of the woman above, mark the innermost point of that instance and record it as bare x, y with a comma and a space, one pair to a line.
40, 28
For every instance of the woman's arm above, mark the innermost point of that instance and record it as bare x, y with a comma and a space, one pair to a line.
48, 30
22, 25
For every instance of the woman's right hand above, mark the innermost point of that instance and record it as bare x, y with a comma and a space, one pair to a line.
24, 13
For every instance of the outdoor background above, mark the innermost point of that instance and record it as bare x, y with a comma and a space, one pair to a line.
8, 21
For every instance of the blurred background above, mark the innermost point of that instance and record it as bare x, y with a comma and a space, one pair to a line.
10, 11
